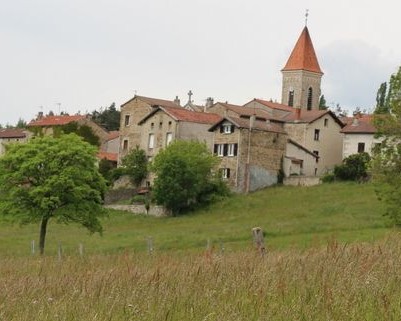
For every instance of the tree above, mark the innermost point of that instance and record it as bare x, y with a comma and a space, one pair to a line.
52, 178
322, 103
353, 168
184, 176
108, 118
382, 106
21, 123
135, 165
386, 164
84, 131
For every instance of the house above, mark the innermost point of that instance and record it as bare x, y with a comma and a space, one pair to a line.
12, 136
49, 125
298, 160
359, 135
317, 131
165, 124
132, 112
109, 149
251, 152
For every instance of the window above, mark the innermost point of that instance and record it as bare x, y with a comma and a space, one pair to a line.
317, 154
160, 125
126, 120
152, 125
361, 147
151, 142
227, 129
310, 96
225, 173
220, 149
232, 149
326, 122
125, 144
317, 134
169, 138
169, 124
291, 98
150, 158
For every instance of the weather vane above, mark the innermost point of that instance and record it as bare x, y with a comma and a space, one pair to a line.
306, 17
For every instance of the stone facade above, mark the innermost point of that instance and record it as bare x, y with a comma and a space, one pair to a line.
301, 83
256, 153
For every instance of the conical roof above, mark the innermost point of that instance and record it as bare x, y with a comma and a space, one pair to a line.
303, 56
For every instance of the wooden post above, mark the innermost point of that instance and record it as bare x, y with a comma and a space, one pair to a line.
257, 233
33, 247
60, 251
150, 245
81, 250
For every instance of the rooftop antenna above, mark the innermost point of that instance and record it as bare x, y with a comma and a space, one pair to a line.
59, 108
306, 17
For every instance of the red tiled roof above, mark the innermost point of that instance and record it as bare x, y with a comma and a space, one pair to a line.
274, 105
247, 111
113, 135
258, 124
359, 125
55, 120
153, 101
303, 56
12, 133
181, 114
109, 156
309, 116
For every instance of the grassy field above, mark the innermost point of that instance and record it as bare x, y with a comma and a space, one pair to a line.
290, 217
331, 256
337, 282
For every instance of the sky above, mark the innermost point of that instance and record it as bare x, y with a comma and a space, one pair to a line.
81, 55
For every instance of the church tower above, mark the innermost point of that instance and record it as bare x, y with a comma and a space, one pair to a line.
302, 75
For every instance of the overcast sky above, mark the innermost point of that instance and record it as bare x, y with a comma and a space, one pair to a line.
80, 55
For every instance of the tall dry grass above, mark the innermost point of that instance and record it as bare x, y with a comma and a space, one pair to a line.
336, 282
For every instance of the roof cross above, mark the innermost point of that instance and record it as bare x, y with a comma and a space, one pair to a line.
189, 96
306, 17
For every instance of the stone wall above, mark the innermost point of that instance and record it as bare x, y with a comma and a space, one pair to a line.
116, 195
301, 181
154, 210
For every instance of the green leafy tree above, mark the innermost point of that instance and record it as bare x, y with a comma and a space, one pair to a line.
108, 118
353, 168
184, 176
386, 164
382, 106
84, 131
135, 165
106, 168
21, 123
52, 178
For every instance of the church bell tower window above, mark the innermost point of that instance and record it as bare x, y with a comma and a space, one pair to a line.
310, 95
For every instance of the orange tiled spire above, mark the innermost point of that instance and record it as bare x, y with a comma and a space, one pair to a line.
303, 56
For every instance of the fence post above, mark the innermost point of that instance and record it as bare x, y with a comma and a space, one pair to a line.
81, 249
150, 245
33, 247
258, 239
60, 251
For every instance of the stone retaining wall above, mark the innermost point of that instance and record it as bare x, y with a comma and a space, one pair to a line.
154, 210
301, 181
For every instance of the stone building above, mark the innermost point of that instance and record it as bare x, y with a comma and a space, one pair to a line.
132, 112
12, 136
251, 152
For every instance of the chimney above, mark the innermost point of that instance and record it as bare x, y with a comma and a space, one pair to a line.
209, 102
355, 121
177, 101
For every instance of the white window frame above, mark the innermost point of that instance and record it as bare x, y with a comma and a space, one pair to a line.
151, 141
127, 120
227, 129
231, 150
169, 138
224, 173
220, 150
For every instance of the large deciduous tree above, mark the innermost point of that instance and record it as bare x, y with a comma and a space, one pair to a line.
184, 176
386, 164
52, 178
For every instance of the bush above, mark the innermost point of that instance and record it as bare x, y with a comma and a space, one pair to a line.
354, 168
328, 178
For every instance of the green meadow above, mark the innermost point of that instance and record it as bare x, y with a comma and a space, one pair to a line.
331, 255
298, 217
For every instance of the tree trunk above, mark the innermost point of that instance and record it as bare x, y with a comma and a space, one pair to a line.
43, 227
